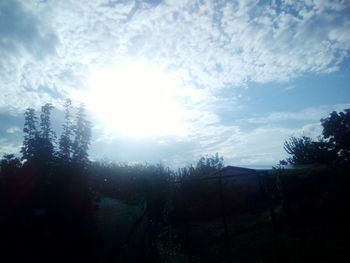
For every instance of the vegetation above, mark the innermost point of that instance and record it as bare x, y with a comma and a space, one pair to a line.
66, 140
333, 147
56, 204
336, 128
45, 197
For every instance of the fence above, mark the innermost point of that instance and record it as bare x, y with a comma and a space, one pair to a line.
290, 216
192, 216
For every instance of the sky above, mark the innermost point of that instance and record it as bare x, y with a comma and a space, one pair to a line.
172, 80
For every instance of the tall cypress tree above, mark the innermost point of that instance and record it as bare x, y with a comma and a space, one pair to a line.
65, 143
82, 133
47, 135
30, 142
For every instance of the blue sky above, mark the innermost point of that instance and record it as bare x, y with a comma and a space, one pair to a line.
174, 80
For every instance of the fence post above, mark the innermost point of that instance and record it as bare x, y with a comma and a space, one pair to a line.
186, 186
151, 224
224, 220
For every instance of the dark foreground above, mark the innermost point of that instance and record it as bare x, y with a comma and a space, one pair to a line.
298, 216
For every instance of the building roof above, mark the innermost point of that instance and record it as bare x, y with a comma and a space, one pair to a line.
235, 170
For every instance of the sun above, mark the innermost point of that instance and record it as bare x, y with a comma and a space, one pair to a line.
136, 100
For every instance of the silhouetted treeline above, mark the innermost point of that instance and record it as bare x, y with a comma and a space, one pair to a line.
330, 148
46, 203
40, 145
49, 197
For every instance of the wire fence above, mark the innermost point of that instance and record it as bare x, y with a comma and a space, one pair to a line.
206, 212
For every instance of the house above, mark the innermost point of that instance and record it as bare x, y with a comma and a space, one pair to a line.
236, 171
243, 187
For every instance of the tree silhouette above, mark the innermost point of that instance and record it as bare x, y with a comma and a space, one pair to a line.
336, 128
30, 147
65, 142
47, 196
333, 147
9, 164
82, 133
205, 166
304, 151
209, 164
46, 136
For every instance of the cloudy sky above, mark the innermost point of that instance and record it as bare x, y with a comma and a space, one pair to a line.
172, 80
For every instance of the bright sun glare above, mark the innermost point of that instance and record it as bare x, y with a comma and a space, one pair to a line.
136, 100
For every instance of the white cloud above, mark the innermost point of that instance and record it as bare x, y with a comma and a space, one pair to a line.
13, 129
263, 144
7, 147
290, 87
53, 45
309, 114
213, 44
260, 146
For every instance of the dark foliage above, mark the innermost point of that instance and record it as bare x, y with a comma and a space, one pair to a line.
82, 133
49, 201
47, 204
29, 149
334, 147
66, 141
305, 151
46, 139
336, 128
206, 166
